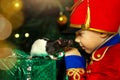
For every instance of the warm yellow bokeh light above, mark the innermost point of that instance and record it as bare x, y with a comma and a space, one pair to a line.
7, 58
17, 5
27, 35
17, 35
10, 7
12, 10
5, 28
61, 19
17, 20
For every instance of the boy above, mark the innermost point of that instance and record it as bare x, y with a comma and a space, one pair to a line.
98, 23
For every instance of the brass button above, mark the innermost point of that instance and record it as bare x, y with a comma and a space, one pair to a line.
98, 55
88, 71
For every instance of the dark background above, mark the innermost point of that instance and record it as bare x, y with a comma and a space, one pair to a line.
40, 20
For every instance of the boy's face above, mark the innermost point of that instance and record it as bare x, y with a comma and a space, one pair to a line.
88, 40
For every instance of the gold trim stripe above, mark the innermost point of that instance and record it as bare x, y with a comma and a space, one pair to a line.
87, 23
75, 26
102, 31
92, 29
95, 59
75, 5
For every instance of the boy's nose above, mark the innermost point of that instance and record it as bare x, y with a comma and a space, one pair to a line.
77, 39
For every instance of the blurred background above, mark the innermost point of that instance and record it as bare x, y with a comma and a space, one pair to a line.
24, 21
21, 23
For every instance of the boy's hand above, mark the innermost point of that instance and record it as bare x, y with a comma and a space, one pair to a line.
71, 51
73, 58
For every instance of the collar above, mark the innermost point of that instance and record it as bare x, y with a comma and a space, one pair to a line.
112, 41
98, 54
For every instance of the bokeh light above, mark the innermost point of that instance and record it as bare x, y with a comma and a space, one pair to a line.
10, 7
17, 35
5, 52
7, 58
12, 10
17, 20
5, 28
17, 5
27, 35
61, 18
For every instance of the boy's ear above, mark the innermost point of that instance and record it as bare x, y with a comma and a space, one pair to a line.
103, 35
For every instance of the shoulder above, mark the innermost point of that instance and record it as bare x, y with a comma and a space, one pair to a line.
112, 55
107, 52
114, 49
116, 46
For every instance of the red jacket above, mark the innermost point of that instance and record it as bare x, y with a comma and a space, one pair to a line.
104, 65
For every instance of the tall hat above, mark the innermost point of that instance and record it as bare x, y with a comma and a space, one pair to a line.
96, 15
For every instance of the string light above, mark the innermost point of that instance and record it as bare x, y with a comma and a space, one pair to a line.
17, 35
27, 35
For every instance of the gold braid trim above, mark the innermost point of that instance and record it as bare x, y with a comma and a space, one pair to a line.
75, 72
98, 59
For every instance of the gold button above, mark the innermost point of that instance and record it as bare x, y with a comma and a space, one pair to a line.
88, 71
98, 55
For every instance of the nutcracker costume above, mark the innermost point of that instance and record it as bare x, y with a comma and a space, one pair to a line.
100, 16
